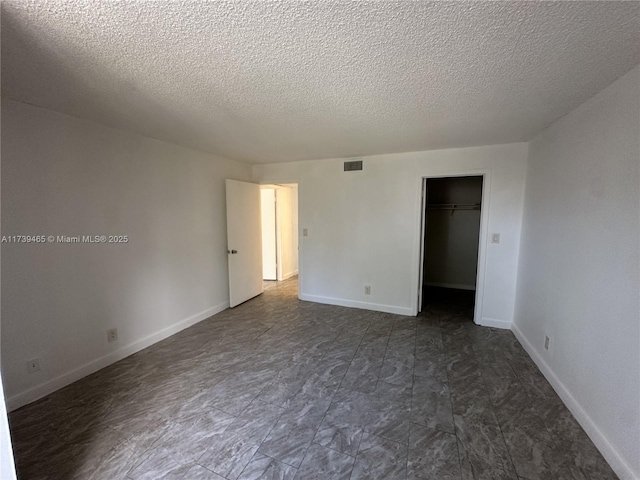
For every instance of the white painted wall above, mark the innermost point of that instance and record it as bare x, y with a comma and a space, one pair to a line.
7, 465
364, 227
64, 176
579, 273
268, 210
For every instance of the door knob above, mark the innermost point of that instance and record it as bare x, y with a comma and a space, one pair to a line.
232, 252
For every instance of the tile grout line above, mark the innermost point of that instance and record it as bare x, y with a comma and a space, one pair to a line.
304, 455
413, 381
455, 427
544, 423
493, 410
386, 348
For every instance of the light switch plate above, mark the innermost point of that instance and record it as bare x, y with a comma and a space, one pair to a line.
495, 238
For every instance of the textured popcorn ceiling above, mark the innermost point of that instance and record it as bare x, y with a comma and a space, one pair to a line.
279, 81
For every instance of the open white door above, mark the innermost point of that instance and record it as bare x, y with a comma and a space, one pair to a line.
244, 241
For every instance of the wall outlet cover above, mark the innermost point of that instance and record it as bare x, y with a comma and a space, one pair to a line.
112, 335
33, 365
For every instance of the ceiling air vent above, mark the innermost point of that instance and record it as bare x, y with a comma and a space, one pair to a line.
353, 165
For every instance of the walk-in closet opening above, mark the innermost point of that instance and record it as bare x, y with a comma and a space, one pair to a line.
451, 233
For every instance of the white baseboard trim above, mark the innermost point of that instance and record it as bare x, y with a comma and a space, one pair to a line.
34, 393
290, 274
377, 307
494, 323
458, 286
611, 455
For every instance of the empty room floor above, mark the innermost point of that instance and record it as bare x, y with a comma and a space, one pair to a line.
277, 388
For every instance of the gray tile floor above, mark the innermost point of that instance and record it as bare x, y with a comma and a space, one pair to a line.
279, 389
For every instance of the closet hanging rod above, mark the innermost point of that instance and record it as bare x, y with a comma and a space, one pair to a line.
454, 206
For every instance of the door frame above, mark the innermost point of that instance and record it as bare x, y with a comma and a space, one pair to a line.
483, 237
274, 230
277, 183
276, 193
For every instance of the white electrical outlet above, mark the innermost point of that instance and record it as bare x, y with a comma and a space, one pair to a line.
33, 365
546, 342
367, 289
112, 335
305, 232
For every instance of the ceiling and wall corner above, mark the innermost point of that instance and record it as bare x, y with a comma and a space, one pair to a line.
271, 82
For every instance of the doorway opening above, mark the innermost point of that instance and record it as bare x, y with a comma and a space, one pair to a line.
279, 209
451, 225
